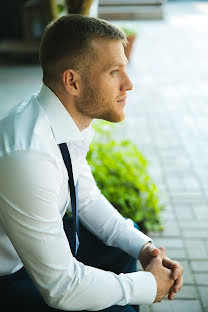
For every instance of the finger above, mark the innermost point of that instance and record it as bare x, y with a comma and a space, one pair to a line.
161, 253
171, 295
177, 269
178, 284
155, 251
158, 260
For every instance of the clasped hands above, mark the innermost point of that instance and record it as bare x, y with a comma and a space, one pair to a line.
168, 273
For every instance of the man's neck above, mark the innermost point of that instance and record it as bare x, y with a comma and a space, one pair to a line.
80, 120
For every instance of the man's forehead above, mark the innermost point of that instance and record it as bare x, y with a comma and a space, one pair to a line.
110, 53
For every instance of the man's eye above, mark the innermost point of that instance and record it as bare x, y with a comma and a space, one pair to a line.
115, 72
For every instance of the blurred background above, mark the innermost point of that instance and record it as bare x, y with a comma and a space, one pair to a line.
166, 113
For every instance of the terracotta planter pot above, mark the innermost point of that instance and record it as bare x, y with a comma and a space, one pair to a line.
128, 48
79, 6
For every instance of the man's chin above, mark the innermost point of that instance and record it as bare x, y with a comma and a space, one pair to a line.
119, 119
114, 117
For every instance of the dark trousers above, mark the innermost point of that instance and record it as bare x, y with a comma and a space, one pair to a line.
17, 291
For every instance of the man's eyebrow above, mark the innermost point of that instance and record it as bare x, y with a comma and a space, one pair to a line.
111, 65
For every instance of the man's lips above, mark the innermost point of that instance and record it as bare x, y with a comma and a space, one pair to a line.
122, 100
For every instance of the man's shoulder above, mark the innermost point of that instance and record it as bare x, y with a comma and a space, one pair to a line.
25, 127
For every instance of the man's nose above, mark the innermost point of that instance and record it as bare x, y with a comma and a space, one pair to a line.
127, 85
130, 84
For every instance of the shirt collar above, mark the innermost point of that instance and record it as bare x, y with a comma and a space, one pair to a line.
63, 126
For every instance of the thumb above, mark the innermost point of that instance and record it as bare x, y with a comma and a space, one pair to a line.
153, 251
161, 253
157, 260
156, 251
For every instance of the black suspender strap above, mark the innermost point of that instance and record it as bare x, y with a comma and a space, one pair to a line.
73, 194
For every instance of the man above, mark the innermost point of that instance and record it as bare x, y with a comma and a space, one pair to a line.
84, 77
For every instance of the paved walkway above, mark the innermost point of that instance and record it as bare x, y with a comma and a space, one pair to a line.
167, 117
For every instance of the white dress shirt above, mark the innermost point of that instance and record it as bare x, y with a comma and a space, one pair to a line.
34, 196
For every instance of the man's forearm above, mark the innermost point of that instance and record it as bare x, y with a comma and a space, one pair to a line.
103, 220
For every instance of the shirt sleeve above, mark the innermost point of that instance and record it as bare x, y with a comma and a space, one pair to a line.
103, 220
29, 192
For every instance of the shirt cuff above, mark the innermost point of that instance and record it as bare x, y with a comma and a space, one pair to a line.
131, 240
138, 287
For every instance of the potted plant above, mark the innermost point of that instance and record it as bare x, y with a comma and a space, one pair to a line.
79, 6
131, 37
121, 173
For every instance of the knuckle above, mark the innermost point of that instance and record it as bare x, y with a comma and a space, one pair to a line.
176, 263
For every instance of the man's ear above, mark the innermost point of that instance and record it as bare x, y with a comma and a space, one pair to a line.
71, 81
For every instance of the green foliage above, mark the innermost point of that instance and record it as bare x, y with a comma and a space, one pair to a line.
120, 172
129, 31
60, 8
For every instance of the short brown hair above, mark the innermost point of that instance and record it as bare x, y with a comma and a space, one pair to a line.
66, 43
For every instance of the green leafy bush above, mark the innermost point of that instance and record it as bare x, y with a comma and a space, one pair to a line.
129, 31
120, 172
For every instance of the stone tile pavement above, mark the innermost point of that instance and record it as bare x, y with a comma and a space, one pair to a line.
166, 117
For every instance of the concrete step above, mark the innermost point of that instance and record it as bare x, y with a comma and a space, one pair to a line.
142, 12
129, 2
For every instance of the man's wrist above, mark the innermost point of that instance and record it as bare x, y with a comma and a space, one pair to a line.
143, 247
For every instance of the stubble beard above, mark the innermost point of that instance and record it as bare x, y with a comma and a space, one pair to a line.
95, 106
